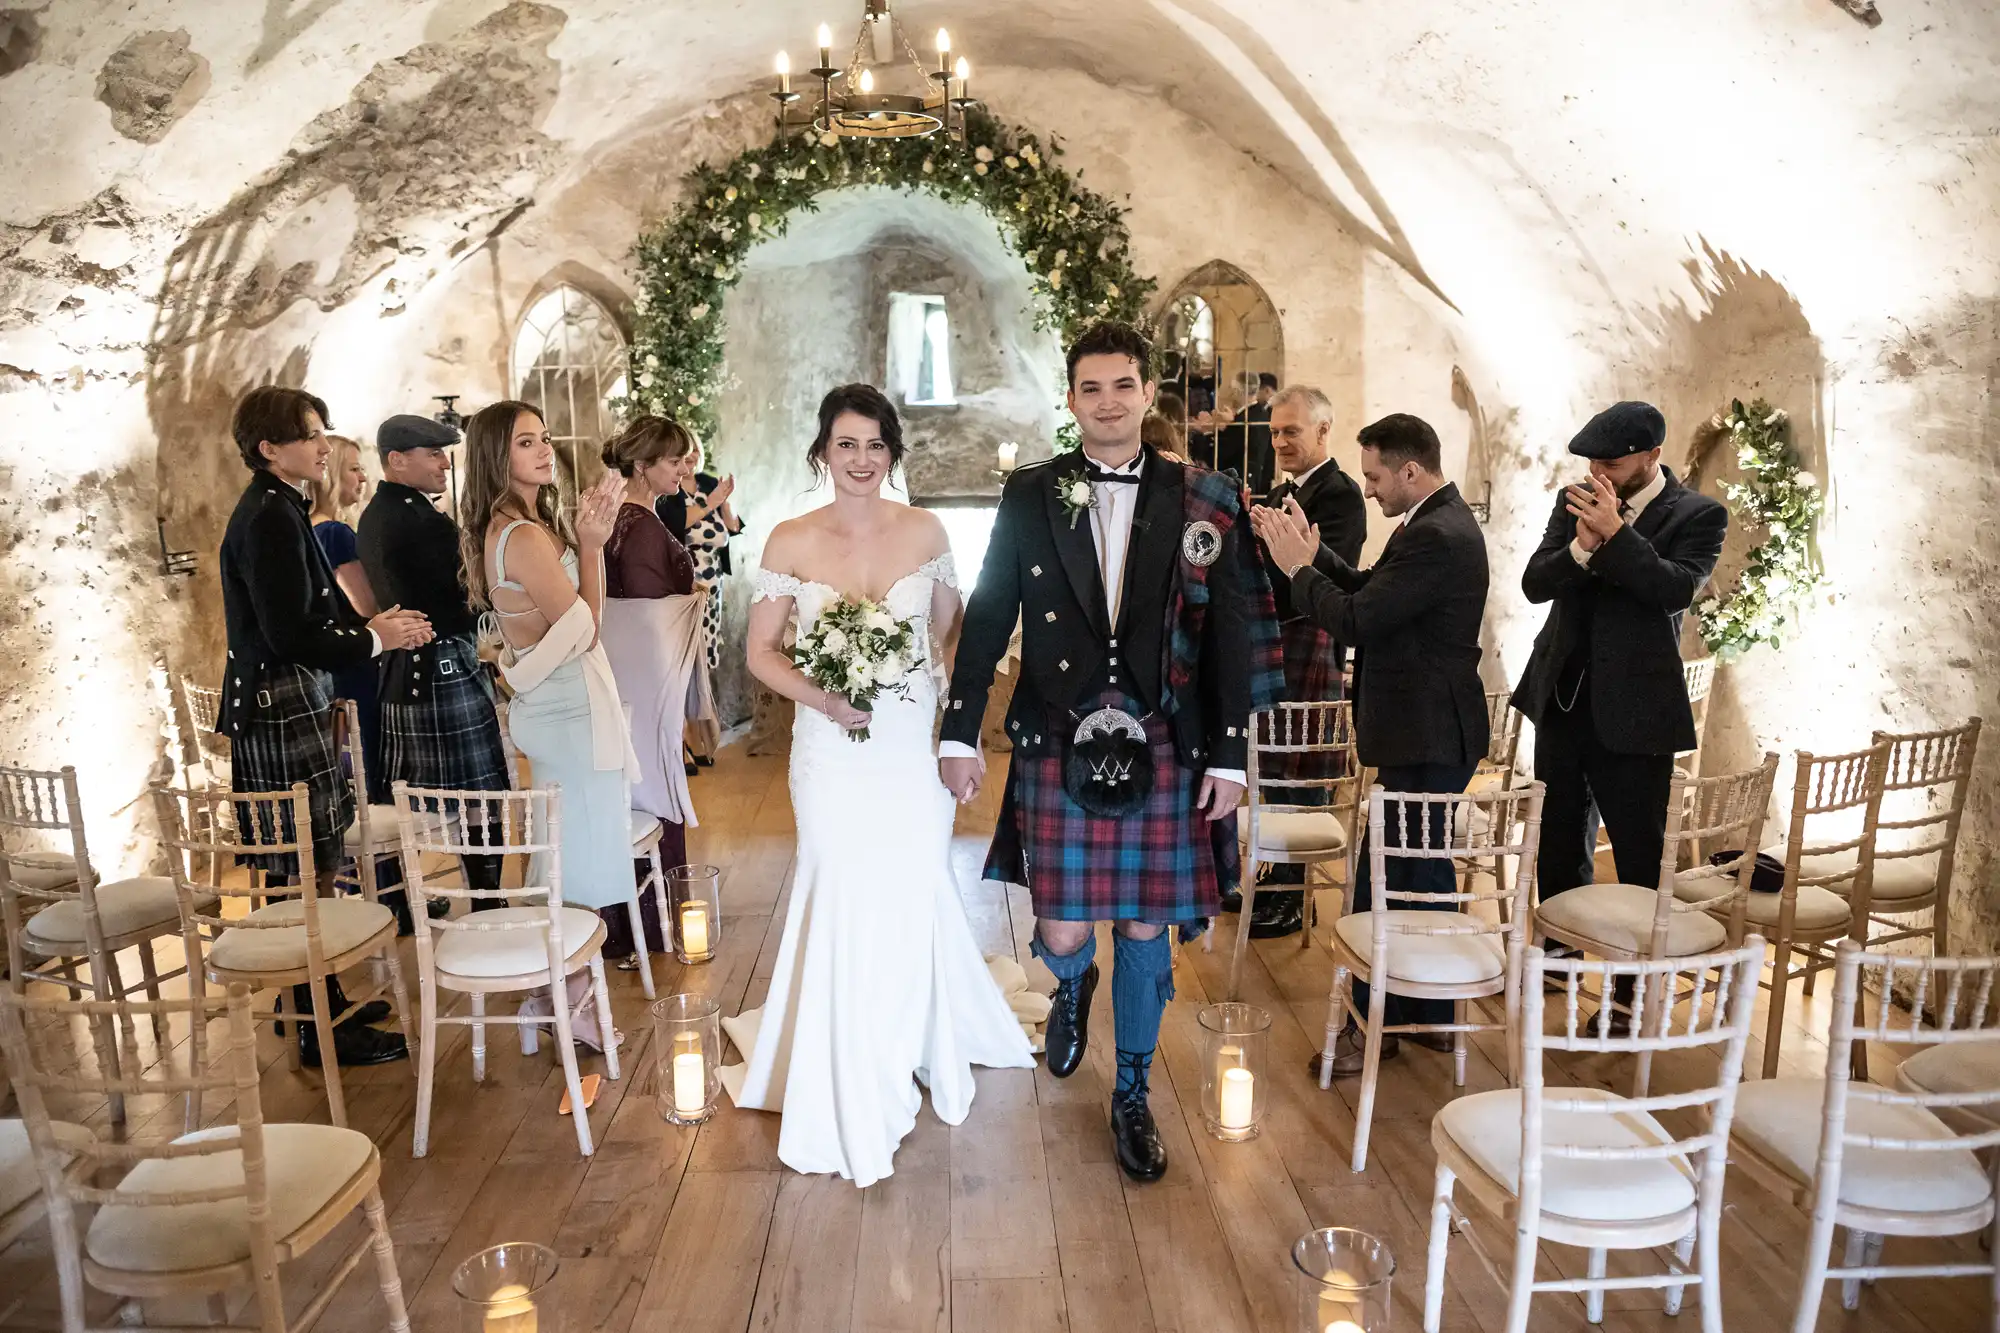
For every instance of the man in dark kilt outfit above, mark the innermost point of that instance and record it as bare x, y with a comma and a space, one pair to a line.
439, 727
1148, 640
289, 625
1302, 433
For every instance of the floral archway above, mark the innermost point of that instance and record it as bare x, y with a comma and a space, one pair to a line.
1072, 240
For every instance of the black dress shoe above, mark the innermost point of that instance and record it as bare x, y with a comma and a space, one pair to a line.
353, 1046
1069, 1023
1232, 900
375, 1011
1278, 912
1141, 1155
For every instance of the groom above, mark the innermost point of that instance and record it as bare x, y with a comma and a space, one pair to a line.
1148, 638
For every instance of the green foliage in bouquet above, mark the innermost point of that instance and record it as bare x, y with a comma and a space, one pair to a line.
859, 651
1783, 500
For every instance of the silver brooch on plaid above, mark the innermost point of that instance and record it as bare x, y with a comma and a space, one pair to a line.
1201, 543
1115, 721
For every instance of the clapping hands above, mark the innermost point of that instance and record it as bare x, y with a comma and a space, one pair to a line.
1291, 538
597, 511
1595, 504
397, 628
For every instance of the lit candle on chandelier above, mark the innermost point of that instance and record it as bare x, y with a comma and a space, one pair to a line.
964, 72
867, 82
825, 47
784, 72
944, 51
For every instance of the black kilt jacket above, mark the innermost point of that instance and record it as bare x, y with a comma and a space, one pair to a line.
1042, 568
280, 604
409, 549
1624, 613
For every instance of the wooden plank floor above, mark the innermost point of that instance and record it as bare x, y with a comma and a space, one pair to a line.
1016, 1220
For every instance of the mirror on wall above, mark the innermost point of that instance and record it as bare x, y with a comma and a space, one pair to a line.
1222, 356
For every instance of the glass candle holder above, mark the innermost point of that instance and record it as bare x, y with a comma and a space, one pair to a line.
1343, 1281
694, 897
508, 1289
1235, 1039
687, 1034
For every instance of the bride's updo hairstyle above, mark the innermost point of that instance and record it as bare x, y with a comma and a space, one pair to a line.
864, 400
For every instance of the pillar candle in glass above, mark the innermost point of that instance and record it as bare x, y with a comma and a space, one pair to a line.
508, 1288
694, 898
687, 1039
1234, 1042
1343, 1278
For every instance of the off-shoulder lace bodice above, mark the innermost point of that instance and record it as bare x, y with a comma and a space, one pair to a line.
908, 597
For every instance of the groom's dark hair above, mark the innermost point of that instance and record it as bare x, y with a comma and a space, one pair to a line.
1112, 338
863, 400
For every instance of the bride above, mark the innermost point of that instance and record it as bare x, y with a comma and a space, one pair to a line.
879, 984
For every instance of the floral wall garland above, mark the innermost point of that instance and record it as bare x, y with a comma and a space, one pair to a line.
1780, 497
1074, 242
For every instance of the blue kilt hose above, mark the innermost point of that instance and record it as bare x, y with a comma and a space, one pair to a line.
1166, 863
284, 734
449, 735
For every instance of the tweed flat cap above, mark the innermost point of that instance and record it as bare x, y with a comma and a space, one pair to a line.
410, 432
1619, 430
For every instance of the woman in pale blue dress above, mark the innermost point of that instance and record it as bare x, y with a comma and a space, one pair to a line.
545, 587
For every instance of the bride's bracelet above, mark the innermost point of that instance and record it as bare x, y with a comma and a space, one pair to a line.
826, 702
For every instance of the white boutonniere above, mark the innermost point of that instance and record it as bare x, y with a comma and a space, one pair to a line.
1076, 496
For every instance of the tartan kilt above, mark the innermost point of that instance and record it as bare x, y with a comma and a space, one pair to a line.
1167, 863
1311, 676
285, 735
450, 739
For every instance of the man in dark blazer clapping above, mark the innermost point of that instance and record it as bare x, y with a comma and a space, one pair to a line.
1622, 558
1413, 620
1302, 433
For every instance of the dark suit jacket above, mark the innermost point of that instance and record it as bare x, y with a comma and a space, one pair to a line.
409, 547
1042, 570
280, 604
1413, 619
1629, 603
1333, 502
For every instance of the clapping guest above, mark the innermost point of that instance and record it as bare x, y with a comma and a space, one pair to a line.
652, 630
1624, 553
439, 725
1301, 425
334, 500
289, 625
1413, 619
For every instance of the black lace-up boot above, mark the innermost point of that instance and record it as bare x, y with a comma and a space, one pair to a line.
1141, 1155
1069, 1023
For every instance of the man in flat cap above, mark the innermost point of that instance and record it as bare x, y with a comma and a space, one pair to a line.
1624, 554
439, 728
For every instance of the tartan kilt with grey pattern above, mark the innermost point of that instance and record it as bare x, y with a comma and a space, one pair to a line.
285, 735
1166, 863
451, 738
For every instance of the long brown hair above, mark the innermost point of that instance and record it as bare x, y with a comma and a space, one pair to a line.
489, 493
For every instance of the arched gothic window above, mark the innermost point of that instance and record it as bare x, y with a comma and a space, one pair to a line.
570, 361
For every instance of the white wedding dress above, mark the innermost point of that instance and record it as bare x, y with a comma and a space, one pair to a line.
879, 984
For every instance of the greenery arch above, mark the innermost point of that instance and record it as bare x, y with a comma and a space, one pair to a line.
1073, 241
1783, 499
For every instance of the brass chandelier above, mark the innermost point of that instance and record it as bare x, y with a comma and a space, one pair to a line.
849, 104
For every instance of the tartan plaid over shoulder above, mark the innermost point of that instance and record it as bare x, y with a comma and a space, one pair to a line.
1213, 497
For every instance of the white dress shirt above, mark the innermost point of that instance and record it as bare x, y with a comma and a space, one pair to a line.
1633, 508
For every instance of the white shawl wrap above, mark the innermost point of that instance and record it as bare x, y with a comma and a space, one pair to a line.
569, 640
657, 652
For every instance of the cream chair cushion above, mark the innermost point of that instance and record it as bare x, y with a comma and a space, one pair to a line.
1780, 1119
384, 834
644, 827
510, 953
1486, 1127
305, 1167
123, 907
1897, 879
344, 923
1300, 833
19, 1180
1958, 1067
1818, 909
1619, 917
1436, 960
42, 870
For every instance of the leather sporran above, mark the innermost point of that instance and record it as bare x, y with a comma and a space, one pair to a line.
1108, 766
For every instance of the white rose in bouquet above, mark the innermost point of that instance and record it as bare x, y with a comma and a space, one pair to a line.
879, 619
890, 670
833, 641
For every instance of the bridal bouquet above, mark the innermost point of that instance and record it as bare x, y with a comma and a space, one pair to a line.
858, 650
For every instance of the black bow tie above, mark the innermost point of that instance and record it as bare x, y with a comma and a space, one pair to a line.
1098, 474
